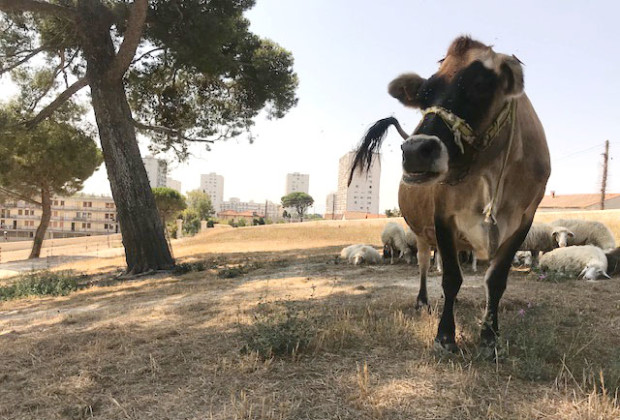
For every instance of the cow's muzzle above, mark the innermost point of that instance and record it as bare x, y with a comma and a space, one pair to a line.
425, 159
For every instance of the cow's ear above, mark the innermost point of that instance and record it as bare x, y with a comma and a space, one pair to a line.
512, 76
405, 88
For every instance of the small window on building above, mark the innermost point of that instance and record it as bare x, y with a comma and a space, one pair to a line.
19, 212
62, 202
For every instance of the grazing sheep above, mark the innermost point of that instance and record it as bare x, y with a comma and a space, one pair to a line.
587, 260
522, 259
412, 242
542, 237
359, 254
587, 232
393, 238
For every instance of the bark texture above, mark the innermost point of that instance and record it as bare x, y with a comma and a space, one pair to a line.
46, 204
141, 228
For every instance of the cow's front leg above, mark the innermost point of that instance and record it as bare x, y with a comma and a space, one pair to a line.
451, 282
495, 280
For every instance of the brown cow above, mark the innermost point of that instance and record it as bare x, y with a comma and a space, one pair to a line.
474, 170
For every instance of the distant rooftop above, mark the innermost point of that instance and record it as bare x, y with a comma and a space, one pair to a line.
574, 201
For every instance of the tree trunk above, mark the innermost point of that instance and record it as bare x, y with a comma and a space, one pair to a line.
141, 228
46, 204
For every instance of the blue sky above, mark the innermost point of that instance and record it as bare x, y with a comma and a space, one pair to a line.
346, 52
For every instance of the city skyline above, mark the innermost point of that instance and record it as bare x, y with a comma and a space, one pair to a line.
345, 67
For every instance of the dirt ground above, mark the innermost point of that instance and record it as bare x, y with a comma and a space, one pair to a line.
276, 327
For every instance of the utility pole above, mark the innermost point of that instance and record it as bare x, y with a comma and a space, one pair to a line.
604, 182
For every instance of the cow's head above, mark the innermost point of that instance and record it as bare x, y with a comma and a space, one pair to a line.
472, 87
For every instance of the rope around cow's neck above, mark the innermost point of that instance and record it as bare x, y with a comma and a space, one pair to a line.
489, 211
463, 131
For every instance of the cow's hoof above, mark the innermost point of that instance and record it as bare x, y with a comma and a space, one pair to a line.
420, 304
488, 352
446, 346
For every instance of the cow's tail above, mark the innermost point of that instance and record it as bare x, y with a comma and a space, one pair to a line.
371, 143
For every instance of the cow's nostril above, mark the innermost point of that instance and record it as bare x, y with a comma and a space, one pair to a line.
427, 148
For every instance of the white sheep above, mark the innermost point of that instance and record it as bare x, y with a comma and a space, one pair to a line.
412, 242
542, 237
587, 260
393, 238
585, 232
358, 254
522, 258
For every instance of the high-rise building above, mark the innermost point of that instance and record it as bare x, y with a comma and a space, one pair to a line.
156, 170
174, 184
363, 194
330, 205
213, 185
297, 182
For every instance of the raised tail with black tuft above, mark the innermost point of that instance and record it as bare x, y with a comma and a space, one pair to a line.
371, 142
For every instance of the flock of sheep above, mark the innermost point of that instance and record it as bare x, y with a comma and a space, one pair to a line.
582, 247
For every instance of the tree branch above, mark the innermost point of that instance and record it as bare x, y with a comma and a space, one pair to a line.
133, 35
23, 60
19, 196
169, 131
146, 54
61, 99
36, 6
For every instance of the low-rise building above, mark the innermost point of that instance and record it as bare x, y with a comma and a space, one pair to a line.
557, 202
78, 215
268, 208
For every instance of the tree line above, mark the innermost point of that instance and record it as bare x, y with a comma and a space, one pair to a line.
180, 72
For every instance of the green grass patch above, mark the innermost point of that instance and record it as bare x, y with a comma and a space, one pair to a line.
42, 283
280, 329
189, 267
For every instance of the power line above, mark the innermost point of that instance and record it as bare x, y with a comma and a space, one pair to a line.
580, 151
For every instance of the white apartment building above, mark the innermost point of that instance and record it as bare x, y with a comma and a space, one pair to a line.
297, 182
78, 215
213, 185
363, 193
156, 170
174, 184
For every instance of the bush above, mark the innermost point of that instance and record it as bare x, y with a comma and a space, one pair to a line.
210, 223
191, 222
42, 283
242, 222
280, 330
184, 268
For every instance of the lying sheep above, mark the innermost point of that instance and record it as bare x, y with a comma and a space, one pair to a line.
587, 260
586, 232
394, 242
359, 254
542, 237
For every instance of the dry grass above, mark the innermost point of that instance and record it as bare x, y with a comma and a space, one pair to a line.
298, 336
